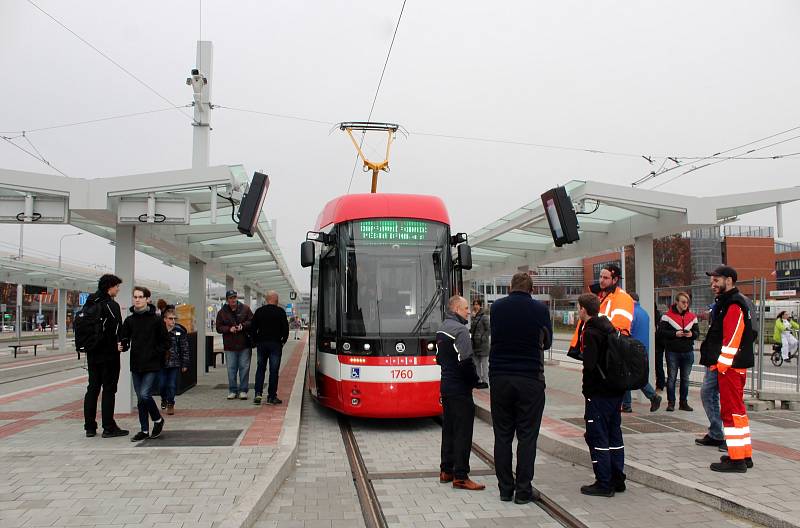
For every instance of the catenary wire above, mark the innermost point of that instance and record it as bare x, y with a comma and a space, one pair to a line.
34, 156
377, 91
112, 61
693, 169
98, 120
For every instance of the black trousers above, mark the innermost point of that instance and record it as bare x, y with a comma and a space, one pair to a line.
101, 376
457, 421
661, 380
517, 406
604, 438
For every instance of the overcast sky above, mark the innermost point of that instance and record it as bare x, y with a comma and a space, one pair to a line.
641, 78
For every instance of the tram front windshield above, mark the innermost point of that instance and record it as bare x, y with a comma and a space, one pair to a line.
395, 276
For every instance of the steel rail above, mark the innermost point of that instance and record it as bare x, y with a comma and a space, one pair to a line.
370, 505
41, 374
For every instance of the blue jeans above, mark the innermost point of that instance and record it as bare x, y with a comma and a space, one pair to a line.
604, 438
143, 383
168, 384
238, 363
271, 352
709, 395
679, 361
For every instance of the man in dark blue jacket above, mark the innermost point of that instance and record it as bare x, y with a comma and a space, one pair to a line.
459, 377
521, 332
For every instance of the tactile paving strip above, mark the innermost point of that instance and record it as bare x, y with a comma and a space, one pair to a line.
193, 438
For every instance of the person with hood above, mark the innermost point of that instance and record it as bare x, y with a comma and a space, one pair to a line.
103, 359
178, 358
640, 330
782, 334
479, 331
602, 411
144, 333
678, 330
233, 322
454, 356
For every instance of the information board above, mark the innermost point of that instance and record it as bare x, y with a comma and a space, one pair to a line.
392, 231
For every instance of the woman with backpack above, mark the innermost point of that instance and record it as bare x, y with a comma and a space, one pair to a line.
678, 330
178, 357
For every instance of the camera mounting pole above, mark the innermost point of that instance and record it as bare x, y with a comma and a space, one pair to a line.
367, 126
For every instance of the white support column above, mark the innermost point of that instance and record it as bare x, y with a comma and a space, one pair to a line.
779, 218
18, 322
124, 265
259, 299
62, 320
202, 111
197, 298
228, 282
247, 299
645, 284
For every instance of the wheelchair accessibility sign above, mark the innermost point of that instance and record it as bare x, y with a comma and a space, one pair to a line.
355, 372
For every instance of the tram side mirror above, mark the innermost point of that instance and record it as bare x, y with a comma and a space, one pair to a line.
307, 254
465, 256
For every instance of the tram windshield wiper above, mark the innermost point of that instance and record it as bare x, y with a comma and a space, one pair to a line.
428, 310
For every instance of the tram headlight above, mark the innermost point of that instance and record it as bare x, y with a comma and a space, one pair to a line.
367, 347
346, 346
431, 347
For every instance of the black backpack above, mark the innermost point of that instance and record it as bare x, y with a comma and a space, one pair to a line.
88, 327
626, 362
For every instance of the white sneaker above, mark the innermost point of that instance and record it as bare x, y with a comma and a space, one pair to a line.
242, 395
231, 395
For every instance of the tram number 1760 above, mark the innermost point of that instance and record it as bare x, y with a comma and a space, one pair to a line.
402, 374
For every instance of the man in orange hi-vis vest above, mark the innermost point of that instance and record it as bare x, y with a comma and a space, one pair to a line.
615, 304
728, 349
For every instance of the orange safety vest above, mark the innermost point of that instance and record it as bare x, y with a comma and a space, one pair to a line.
618, 307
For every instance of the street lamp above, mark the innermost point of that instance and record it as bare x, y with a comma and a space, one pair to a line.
59, 245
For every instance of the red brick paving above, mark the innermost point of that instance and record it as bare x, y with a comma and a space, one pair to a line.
777, 450
18, 426
266, 427
41, 390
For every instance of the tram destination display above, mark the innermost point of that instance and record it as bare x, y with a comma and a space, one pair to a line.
392, 231
561, 216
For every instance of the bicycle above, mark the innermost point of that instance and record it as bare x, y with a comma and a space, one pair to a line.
777, 356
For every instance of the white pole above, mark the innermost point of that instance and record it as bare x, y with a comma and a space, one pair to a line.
645, 284
197, 298
124, 264
779, 216
62, 320
201, 144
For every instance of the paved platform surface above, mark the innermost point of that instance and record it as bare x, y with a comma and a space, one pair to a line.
54, 476
664, 443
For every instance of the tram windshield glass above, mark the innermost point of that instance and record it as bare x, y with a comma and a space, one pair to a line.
395, 276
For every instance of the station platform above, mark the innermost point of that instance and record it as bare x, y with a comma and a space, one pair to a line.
217, 463
660, 451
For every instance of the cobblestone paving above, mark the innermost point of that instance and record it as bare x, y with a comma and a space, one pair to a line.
320, 493
52, 475
773, 482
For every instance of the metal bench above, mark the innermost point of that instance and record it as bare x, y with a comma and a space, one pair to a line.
17, 346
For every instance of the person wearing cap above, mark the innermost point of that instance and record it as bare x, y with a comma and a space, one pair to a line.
728, 349
233, 322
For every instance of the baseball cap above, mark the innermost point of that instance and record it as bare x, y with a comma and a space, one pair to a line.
231, 293
723, 271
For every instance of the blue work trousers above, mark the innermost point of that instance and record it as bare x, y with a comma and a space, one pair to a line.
604, 438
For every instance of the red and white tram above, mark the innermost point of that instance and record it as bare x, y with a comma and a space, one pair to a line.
382, 271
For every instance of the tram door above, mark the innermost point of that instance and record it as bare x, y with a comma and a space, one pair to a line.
327, 325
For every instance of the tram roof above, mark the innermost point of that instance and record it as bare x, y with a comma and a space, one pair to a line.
380, 205
93, 204
522, 237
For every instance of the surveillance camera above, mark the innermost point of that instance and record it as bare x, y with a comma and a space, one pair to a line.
195, 71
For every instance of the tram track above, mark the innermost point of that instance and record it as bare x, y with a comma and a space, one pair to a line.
40, 374
370, 503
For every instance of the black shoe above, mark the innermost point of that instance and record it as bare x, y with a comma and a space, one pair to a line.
257, 399
684, 406
597, 490
708, 441
670, 406
90, 434
618, 484
138, 437
157, 427
482, 385
723, 447
506, 498
115, 433
163, 404
747, 461
655, 403
627, 409
729, 466
274, 401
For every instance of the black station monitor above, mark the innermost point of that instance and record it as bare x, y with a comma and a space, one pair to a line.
561, 216
251, 204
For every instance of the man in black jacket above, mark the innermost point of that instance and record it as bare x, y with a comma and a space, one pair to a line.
270, 330
103, 360
521, 332
454, 356
603, 416
146, 335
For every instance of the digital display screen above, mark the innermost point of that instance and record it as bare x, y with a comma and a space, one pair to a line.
552, 215
391, 231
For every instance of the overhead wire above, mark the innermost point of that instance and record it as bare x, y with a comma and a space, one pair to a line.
98, 120
34, 156
377, 91
112, 61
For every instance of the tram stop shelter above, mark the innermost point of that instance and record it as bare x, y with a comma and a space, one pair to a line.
185, 218
610, 217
